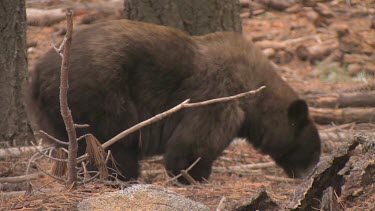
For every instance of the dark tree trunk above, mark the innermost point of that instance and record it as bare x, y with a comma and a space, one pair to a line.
196, 17
14, 125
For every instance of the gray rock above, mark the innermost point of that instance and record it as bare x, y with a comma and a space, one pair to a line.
140, 197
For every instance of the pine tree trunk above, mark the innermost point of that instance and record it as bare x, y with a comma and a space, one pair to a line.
196, 17
14, 125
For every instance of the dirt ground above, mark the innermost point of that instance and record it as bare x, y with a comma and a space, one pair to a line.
234, 184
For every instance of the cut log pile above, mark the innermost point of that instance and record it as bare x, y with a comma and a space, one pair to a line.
334, 41
341, 108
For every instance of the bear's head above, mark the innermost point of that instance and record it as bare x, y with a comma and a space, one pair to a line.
288, 135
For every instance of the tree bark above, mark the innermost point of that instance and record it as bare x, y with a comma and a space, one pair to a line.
14, 125
196, 17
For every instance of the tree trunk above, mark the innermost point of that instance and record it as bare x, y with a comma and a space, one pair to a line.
14, 125
196, 17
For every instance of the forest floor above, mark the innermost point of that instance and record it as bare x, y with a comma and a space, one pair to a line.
287, 30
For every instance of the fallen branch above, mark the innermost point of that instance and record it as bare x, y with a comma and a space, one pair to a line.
181, 174
22, 178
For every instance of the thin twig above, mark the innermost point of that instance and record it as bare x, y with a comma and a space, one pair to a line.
83, 136
51, 157
108, 156
86, 174
53, 138
223, 99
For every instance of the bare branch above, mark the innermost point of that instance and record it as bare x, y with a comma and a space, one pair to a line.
82, 137
223, 99
86, 175
52, 158
53, 138
64, 108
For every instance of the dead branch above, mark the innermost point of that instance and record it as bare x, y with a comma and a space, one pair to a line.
180, 106
223, 99
340, 100
244, 168
53, 138
187, 176
181, 174
343, 115
64, 108
18, 151
22, 178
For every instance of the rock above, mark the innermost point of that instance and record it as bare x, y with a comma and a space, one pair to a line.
140, 197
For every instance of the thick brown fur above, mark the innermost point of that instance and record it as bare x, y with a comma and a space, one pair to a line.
124, 72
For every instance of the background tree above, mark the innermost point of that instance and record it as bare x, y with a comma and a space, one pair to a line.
14, 126
196, 17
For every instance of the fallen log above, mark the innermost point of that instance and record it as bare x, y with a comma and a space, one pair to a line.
342, 115
21, 178
341, 100
18, 151
39, 17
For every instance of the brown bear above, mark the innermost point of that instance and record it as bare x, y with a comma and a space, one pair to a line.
123, 72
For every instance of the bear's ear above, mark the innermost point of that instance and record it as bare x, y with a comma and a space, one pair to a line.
298, 111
